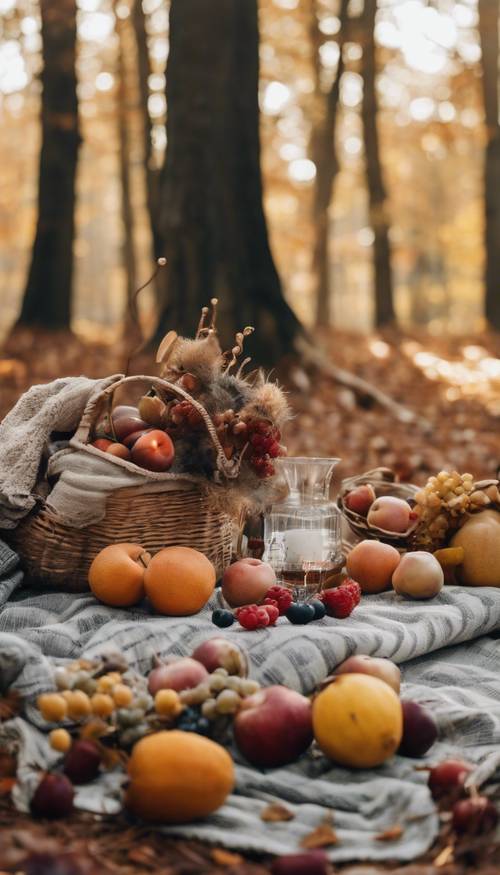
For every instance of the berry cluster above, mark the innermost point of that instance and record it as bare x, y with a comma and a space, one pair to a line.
338, 602
264, 441
184, 415
341, 600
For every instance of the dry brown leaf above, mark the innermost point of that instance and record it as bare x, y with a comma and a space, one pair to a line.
444, 857
143, 855
322, 837
8, 765
276, 813
10, 705
225, 858
392, 834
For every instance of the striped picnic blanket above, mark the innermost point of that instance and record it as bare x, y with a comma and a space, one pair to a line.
450, 659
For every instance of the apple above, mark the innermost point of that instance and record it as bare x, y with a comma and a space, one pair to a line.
418, 576
390, 514
134, 436
222, 653
419, 730
247, 581
126, 420
181, 674
118, 450
102, 444
377, 666
154, 451
273, 727
360, 499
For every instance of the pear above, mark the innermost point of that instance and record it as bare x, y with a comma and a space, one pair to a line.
480, 539
418, 576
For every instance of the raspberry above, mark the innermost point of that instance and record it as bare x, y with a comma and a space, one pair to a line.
272, 612
339, 602
248, 619
354, 588
273, 602
282, 596
263, 616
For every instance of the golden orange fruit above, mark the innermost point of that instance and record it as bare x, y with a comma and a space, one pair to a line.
177, 777
116, 576
179, 581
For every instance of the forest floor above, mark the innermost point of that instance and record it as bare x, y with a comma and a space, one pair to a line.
452, 388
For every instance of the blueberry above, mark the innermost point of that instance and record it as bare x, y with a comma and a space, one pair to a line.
319, 609
222, 618
203, 726
300, 613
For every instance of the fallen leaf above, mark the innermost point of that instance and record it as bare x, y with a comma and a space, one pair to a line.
392, 834
10, 705
276, 813
321, 837
225, 858
444, 857
143, 854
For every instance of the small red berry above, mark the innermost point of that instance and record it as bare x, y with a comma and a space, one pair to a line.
447, 778
282, 596
263, 616
339, 602
354, 588
272, 612
273, 602
249, 620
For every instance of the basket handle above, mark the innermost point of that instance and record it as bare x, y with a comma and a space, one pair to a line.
229, 467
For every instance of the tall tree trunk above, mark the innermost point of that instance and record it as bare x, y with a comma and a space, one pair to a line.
324, 155
488, 29
379, 220
211, 212
47, 298
128, 247
144, 70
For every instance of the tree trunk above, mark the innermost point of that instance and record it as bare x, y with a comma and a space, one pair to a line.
47, 298
379, 220
144, 70
211, 213
488, 29
128, 249
324, 155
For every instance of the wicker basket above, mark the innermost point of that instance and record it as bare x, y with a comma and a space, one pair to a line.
187, 512
384, 483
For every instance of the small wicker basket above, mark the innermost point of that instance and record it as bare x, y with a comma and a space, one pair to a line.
187, 512
384, 483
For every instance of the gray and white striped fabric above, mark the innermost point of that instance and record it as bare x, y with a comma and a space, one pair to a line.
450, 659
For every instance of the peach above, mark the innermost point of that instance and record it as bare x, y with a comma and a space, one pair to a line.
180, 674
154, 451
360, 499
372, 564
389, 513
119, 451
116, 576
376, 666
102, 444
418, 575
179, 581
247, 581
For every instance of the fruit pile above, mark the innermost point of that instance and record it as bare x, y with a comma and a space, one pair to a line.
387, 513
176, 580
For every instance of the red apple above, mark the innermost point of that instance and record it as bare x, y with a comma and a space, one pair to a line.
181, 674
447, 779
131, 439
419, 730
360, 499
222, 653
102, 444
378, 667
154, 451
273, 727
119, 451
247, 581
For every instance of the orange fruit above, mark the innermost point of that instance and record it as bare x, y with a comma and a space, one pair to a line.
116, 576
176, 777
179, 581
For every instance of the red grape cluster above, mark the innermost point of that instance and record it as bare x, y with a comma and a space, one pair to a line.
184, 415
264, 441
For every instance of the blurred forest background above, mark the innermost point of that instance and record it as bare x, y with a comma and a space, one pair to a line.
370, 217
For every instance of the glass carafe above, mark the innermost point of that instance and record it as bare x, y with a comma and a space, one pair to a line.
302, 534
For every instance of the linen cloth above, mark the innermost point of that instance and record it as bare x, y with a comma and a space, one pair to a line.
461, 685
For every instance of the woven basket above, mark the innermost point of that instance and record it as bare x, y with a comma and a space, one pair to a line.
187, 512
384, 483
